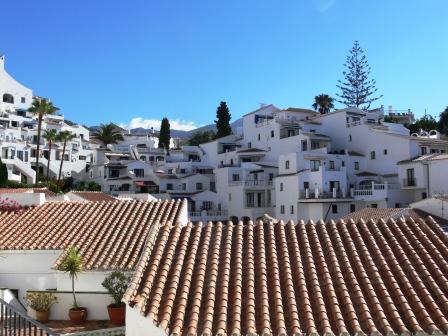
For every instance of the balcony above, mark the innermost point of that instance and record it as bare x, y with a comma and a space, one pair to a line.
409, 182
251, 183
208, 215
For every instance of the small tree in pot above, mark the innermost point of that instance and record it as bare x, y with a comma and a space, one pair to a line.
116, 284
41, 302
73, 265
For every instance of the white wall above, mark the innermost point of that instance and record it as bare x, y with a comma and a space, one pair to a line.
25, 199
139, 325
95, 302
27, 270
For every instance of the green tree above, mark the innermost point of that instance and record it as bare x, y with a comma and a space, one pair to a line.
40, 107
323, 103
426, 123
390, 119
73, 265
201, 137
443, 122
3, 175
64, 137
165, 135
108, 134
223, 120
50, 136
356, 88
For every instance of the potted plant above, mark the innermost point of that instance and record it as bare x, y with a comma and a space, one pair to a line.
73, 265
116, 284
41, 302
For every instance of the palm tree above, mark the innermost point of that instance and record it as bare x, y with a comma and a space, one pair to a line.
73, 265
323, 103
40, 108
63, 137
50, 136
108, 134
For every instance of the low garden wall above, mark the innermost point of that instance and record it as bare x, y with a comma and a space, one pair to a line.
95, 302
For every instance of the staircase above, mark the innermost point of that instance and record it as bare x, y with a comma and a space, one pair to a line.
24, 167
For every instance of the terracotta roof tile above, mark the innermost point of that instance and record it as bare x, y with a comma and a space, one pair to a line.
94, 196
364, 277
109, 235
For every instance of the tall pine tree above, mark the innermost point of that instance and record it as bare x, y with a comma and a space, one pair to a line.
356, 88
164, 135
443, 122
223, 121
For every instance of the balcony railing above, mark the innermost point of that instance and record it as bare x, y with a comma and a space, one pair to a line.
412, 182
14, 322
251, 183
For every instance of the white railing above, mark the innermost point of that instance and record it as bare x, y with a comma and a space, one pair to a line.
251, 183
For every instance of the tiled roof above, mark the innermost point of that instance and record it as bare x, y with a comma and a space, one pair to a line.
94, 196
26, 190
378, 213
109, 235
293, 279
427, 157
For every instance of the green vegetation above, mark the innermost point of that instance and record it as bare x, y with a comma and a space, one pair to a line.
201, 137
323, 103
116, 284
50, 136
357, 89
73, 265
40, 107
165, 135
3, 175
108, 134
223, 120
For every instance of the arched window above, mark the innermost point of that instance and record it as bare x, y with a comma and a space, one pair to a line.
8, 98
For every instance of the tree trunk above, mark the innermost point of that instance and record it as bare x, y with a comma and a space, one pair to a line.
39, 127
62, 161
75, 303
49, 157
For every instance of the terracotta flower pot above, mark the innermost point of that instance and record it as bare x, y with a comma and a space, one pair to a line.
42, 316
78, 315
117, 315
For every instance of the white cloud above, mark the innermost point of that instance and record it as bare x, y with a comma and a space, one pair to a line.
177, 124
324, 5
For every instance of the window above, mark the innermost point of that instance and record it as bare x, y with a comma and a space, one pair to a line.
304, 145
424, 150
259, 136
332, 165
352, 208
356, 165
235, 177
424, 195
433, 151
385, 151
23, 100
372, 155
207, 205
7, 98
350, 138
249, 145
198, 186
169, 186
231, 162
343, 163
287, 164
410, 179
271, 176
184, 186
306, 185
314, 165
374, 205
82, 157
282, 209
334, 208
291, 210
397, 205
281, 186
272, 134
139, 172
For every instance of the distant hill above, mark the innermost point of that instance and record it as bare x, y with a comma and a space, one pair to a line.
188, 134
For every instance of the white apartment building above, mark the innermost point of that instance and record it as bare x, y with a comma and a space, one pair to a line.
18, 136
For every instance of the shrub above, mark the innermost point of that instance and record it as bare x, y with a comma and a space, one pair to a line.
8, 205
116, 284
39, 301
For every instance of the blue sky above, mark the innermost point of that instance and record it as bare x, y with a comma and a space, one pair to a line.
108, 60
